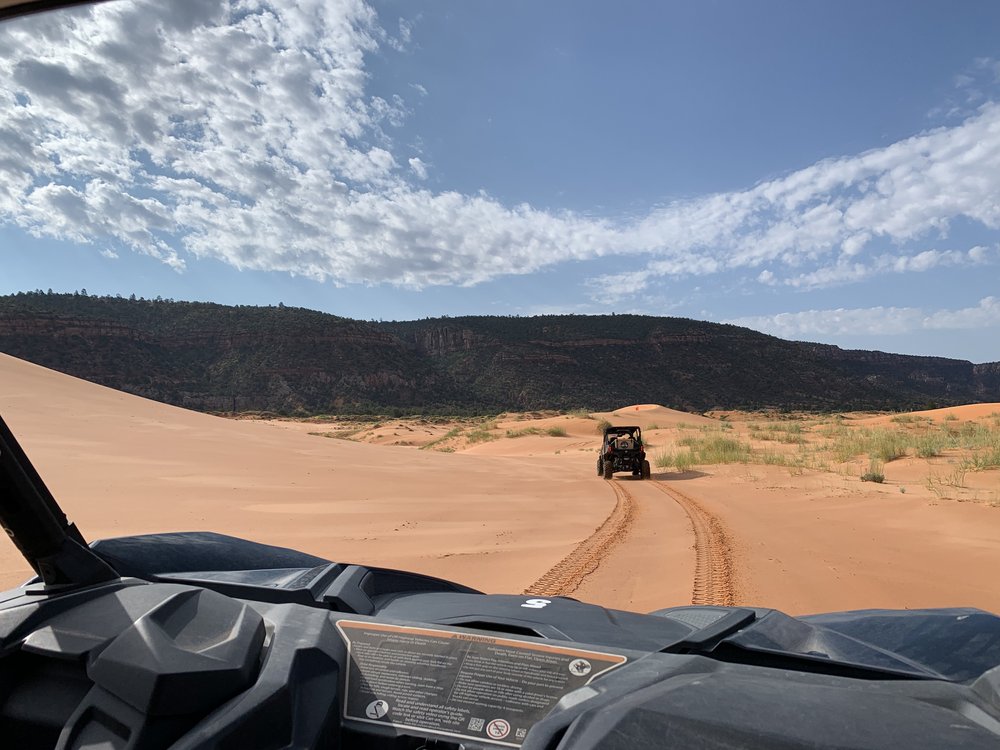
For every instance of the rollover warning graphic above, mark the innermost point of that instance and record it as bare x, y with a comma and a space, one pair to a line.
460, 684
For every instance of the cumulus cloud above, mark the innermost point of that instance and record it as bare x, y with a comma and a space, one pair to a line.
874, 321
244, 131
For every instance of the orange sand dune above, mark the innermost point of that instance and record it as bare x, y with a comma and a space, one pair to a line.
965, 413
519, 509
119, 464
645, 415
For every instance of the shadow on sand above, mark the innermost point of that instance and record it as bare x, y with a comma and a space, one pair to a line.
673, 476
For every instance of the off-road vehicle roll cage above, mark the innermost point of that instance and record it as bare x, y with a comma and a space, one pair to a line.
622, 450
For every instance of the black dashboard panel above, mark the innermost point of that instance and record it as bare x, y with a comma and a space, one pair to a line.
299, 652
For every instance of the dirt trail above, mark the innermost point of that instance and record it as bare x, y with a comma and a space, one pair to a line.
714, 572
567, 575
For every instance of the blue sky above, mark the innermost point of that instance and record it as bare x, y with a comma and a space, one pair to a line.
823, 172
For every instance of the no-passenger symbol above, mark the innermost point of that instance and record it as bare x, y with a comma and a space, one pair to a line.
498, 729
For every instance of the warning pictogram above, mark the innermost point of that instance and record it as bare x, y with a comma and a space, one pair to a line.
498, 729
579, 667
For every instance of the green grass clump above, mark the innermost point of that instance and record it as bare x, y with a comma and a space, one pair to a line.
482, 434
931, 444
452, 433
522, 433
772, 458
681, 460
602, 425
988, 459
834, 431
339, 434
975, 436
664, 460
783, 432
793, 433
582, 414
718, 449
885, 445
875, 472
556, 431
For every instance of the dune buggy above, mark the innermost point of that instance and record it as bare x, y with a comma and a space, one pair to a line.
622, 450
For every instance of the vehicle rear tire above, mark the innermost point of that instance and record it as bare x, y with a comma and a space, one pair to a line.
600, 466
608, 470
646, 471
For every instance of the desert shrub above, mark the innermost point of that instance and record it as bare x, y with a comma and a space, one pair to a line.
717, 449
931, 444
453, 432
987, 459
664, 460
482, 434
522, 433
834, 431
976, 436
792, 433
772, 458
875, 472
681, 460
602, 425
887, 445
556, 431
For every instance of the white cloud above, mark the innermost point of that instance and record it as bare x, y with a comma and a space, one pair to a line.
898, 194
853, 244
418, 167
846, 270
873, 321
986, 313
245, 132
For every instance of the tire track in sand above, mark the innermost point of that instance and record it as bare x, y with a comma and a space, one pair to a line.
566, 575
714, 569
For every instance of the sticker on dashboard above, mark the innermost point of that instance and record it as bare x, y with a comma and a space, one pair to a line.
464, 685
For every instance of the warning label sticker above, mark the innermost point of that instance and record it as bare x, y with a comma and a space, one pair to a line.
459, 684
